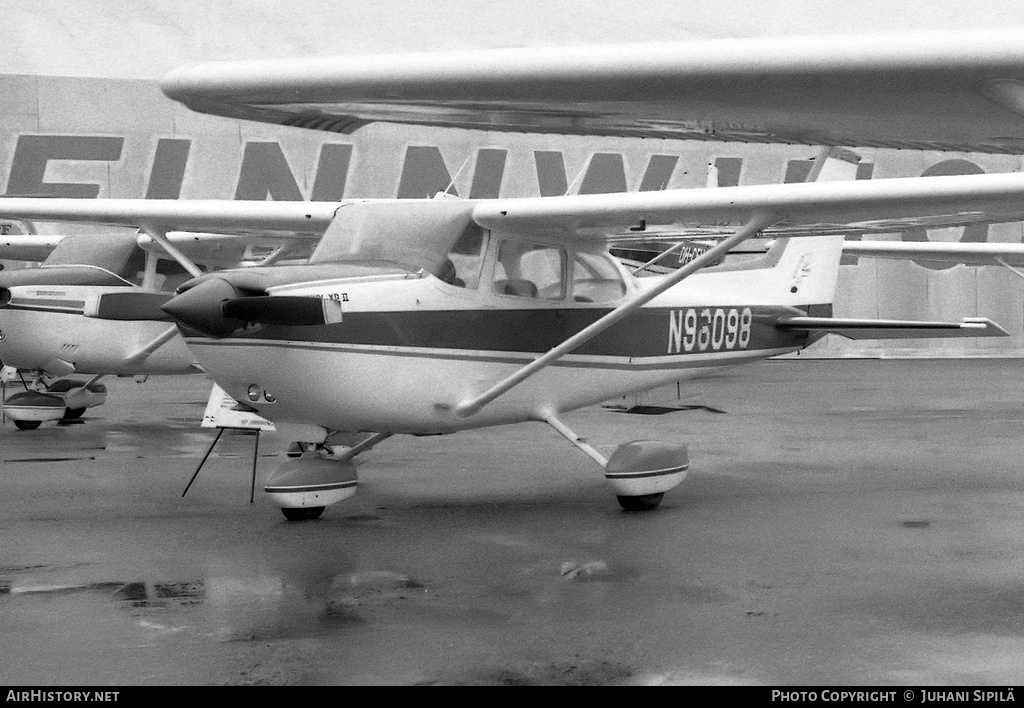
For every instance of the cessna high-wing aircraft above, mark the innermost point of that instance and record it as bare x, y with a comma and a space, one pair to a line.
92, 308
433, 316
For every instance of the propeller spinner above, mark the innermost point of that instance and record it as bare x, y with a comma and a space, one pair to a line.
217, 308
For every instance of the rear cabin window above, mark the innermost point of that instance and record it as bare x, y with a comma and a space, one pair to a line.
530, 271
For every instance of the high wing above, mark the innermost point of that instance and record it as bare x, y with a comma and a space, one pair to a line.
1006, 254
235, 248
814, 207
207, 248
301, 219
796, 209
959, 91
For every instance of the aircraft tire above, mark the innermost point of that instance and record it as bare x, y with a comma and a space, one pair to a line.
73, 413
643, 502
27, 424
305, 513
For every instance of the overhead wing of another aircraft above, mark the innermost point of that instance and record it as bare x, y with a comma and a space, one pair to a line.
960, 91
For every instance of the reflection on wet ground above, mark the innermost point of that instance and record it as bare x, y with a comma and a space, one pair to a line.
831, 531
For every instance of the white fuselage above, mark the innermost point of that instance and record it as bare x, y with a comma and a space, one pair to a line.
409, 349
46, 326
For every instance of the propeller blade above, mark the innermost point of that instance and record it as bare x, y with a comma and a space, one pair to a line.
132, 305
288, 310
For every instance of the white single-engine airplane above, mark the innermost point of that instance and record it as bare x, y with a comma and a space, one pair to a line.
434, 316
93, 308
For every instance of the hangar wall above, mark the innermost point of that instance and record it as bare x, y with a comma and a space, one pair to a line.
81, 137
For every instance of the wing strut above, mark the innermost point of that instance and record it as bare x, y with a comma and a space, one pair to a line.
1009, 267
757, 222
160, 236
144, 352
361, 447
575, 439
279, 253
658, 257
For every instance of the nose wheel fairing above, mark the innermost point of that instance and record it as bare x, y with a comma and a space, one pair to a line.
638, 472
309, 482
643, 469
29, 409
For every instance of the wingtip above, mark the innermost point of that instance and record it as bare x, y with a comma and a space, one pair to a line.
991, 328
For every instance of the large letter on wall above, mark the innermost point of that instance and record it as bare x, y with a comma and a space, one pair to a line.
265, 173
973, 233
34, 152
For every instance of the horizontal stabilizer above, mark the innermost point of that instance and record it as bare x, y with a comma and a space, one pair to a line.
1008, 254
893, 329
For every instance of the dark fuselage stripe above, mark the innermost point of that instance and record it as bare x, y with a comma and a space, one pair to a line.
651, 332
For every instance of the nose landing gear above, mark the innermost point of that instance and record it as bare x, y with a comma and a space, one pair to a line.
319, 476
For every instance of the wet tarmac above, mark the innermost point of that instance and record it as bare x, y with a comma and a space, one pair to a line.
844, 523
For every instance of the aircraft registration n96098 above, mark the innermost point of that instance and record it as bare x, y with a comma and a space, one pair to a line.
438, 315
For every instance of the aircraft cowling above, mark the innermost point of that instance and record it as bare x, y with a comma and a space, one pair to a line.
217, 308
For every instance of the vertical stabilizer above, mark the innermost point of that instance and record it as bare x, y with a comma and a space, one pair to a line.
807, 270
809, 267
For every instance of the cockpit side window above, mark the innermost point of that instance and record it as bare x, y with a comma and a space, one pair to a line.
170, 274
530, 270
595, 279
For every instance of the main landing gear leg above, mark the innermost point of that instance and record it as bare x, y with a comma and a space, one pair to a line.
639, 472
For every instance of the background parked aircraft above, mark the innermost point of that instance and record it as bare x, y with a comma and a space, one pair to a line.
92, 308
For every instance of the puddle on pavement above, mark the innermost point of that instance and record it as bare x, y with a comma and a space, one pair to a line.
182, 444
235, 609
